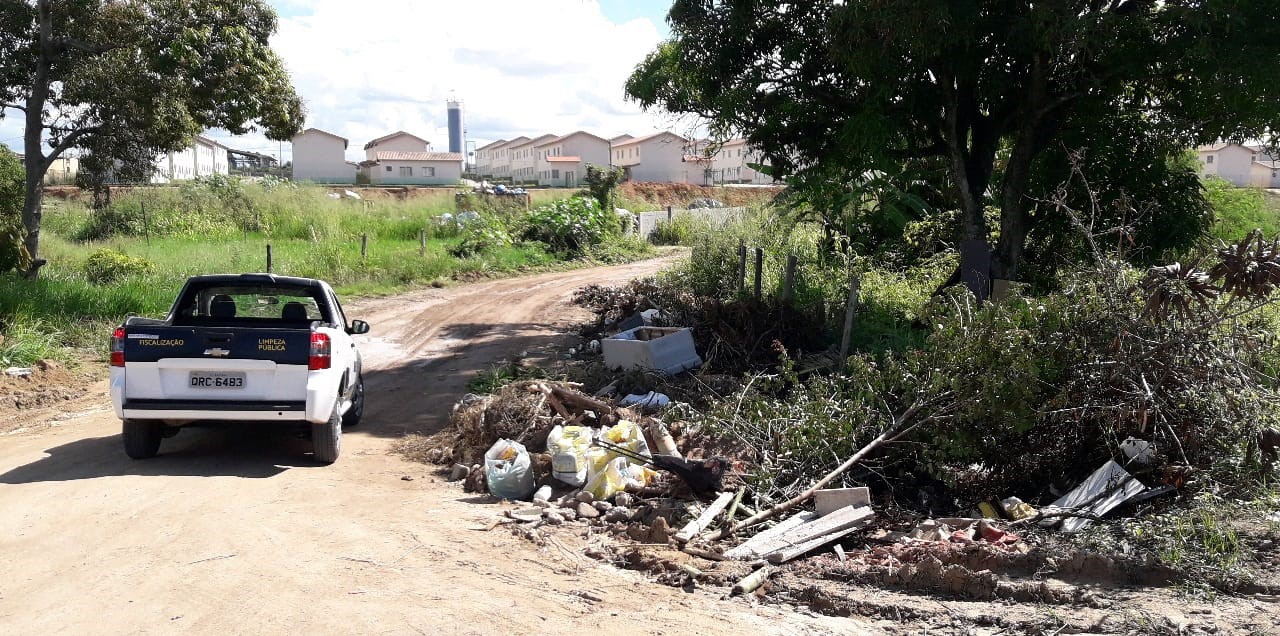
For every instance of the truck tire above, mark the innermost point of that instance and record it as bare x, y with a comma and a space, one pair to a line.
142, 438
326, 438
353, 414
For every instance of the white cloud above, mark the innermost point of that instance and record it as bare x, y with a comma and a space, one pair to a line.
522, 68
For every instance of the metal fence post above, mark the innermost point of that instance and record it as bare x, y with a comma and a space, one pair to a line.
759, 270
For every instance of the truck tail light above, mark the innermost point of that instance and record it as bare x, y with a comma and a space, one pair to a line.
117, 347
320, 350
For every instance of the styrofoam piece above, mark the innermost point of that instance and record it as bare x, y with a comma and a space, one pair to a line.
667, 349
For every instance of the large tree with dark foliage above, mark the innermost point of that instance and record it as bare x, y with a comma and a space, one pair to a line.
124, 80
991, 95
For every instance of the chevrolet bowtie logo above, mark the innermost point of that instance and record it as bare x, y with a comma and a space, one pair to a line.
217, 353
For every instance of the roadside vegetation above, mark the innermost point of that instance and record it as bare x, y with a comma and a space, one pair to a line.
1022, 397
132, 256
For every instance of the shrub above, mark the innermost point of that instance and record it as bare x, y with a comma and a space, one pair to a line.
12, 175
482, 236
569, 226
107, 266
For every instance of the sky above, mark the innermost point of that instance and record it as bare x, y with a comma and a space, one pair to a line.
521, 67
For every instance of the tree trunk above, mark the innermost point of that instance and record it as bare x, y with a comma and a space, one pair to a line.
33, 141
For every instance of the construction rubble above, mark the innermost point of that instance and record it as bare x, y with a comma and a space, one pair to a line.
565, 458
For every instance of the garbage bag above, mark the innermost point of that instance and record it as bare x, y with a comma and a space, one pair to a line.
509, 470
568, 447
628, 435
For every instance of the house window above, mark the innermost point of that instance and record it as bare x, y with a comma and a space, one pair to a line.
555, 174
406, 171
388, 168
1208, 159
428, 172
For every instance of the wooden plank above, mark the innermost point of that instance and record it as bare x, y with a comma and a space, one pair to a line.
786, 554
819, 527
691, 529
748, 551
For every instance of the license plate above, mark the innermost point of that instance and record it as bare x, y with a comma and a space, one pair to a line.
216, 380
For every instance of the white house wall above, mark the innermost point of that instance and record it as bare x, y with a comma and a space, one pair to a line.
1233, 163
321, 158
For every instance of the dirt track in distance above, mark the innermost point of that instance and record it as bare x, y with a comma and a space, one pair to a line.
235, 530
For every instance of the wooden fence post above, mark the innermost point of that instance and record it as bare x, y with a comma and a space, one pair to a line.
422, 242
364, 245
759, 270
742, 267
146, 222
268, 258
854, 284
789, 282
668, 214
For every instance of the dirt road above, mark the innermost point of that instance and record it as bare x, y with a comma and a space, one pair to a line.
236, 531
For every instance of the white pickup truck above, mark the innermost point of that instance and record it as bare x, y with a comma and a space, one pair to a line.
248, 347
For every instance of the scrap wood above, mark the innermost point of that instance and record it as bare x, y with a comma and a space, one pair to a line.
817, 532
581, 400
805, 547
691, 529
892, 433
753, 581
748, 550
733, 507
549, 396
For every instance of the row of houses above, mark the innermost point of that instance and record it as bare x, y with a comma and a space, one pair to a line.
663, 157
1240, 164
399, 158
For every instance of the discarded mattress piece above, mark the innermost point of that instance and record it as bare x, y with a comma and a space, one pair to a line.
666, 349
1106, 488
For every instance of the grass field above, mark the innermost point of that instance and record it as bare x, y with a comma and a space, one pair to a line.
65, 316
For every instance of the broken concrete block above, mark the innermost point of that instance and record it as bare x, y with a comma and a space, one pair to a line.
587, 511
459, 472
554, 518
585, 497
667, 349
602, 506
617, 514
623, 499
832, 499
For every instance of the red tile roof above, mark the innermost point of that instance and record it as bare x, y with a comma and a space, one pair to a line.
418, 156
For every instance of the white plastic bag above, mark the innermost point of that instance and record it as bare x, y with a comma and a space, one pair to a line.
509, 470
568, 447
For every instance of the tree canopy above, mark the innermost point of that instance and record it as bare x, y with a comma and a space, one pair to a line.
125, 81
976, 103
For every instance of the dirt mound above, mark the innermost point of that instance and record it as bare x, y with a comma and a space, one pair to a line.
49, 383
680, 194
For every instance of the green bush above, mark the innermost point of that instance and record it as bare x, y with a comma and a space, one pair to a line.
12, 175
569, 226
106, 266
482, 236
1237, 211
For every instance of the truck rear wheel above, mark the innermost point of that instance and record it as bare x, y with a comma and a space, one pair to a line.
326, 438
356, 411
142, 438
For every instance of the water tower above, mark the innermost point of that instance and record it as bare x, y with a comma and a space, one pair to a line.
457, 128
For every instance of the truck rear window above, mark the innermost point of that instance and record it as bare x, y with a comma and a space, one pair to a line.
250, 305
